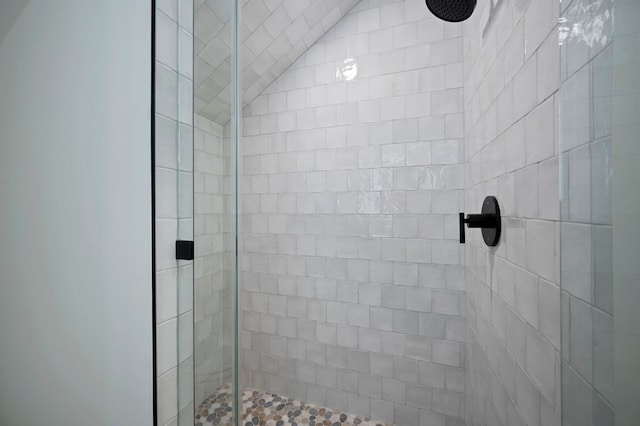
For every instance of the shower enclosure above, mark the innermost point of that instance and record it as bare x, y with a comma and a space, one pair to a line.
345, 187
319, 152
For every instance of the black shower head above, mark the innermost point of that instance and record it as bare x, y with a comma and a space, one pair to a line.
452, 10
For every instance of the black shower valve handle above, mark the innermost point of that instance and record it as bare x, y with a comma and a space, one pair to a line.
488, 221
476, 221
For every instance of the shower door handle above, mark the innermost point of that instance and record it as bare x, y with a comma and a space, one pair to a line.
184, 250
489, 221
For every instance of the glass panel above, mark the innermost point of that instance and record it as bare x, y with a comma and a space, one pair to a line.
586, 221
626, 208
184, 295
174, 209
599, 211
183, 17
231, 223
214, 318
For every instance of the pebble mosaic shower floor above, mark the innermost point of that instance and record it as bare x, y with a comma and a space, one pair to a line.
268, 409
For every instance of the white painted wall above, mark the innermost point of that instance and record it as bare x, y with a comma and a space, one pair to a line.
10, 11
75, 221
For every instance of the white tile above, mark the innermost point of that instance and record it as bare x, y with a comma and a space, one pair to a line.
445, 152
166, 92
166, 142
166, 296
207, 24
445, 101
432, 30
515, 146
446, 402
446, 353
446, 51
445, 302
525, 88
576, 111
185, 61
166, 188
527, 398
167, 41
539, 19
186, 15
166, 232
391, 15
540, 134
548, 190
405, 83
167, 396
405, 35
548, 60
167, 346
393, 391
169, 7
368, 20
526, 192
580, 337
541, 363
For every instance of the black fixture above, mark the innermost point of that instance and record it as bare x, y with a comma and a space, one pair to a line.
184, 250
452, 10
488, 220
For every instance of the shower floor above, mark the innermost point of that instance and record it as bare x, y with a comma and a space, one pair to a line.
268, 409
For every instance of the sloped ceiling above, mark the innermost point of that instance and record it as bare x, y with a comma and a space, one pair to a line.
273, 34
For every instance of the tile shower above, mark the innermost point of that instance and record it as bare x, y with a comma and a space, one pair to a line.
352, 179
365, 127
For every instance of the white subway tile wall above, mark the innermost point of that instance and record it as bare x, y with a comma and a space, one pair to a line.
352, 176
511, 150
210, 370
273, 34
174, 209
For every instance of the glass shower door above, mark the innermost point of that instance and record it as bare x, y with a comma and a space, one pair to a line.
214, 322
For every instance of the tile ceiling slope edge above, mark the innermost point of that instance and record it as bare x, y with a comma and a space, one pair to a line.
274, 34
